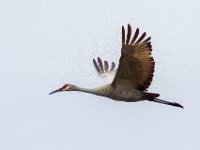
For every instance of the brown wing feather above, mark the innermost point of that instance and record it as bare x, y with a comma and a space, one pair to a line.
123, 35
135, 36
129, 34
136, 65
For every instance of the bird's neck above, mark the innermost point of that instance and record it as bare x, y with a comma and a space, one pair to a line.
100, 91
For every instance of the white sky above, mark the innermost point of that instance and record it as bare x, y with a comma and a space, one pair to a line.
46, 43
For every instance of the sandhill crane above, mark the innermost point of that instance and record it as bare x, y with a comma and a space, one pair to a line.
133, 75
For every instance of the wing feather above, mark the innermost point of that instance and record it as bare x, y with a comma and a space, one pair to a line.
123, 35
113, 66
141, 38
96, 66
135, 36
106, 66
136, 65
128, 35
100, 65
103, 69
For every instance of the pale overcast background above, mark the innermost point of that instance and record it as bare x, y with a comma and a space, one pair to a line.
46, 43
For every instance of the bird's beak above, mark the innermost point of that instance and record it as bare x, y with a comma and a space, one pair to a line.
58, 90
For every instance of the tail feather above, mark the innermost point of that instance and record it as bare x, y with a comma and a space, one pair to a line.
151, 96
166, 102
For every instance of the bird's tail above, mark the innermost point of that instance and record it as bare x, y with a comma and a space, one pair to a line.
150, 96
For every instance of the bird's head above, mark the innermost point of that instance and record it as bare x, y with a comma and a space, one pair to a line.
66, 87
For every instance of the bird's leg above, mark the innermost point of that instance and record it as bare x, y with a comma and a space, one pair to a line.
167, 102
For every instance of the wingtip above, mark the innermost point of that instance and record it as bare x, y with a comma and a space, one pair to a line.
128, 34
94, 60
141, 37
112, 66
106, 66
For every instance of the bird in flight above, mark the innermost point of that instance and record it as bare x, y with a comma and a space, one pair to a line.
133, 76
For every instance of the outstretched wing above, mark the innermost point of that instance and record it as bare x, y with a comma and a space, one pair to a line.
136, 65
103, 70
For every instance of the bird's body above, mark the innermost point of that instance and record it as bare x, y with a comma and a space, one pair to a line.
118, 94
122, 93
133, 75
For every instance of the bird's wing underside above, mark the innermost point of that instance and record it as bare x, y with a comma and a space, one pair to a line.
104, 71
136, 65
